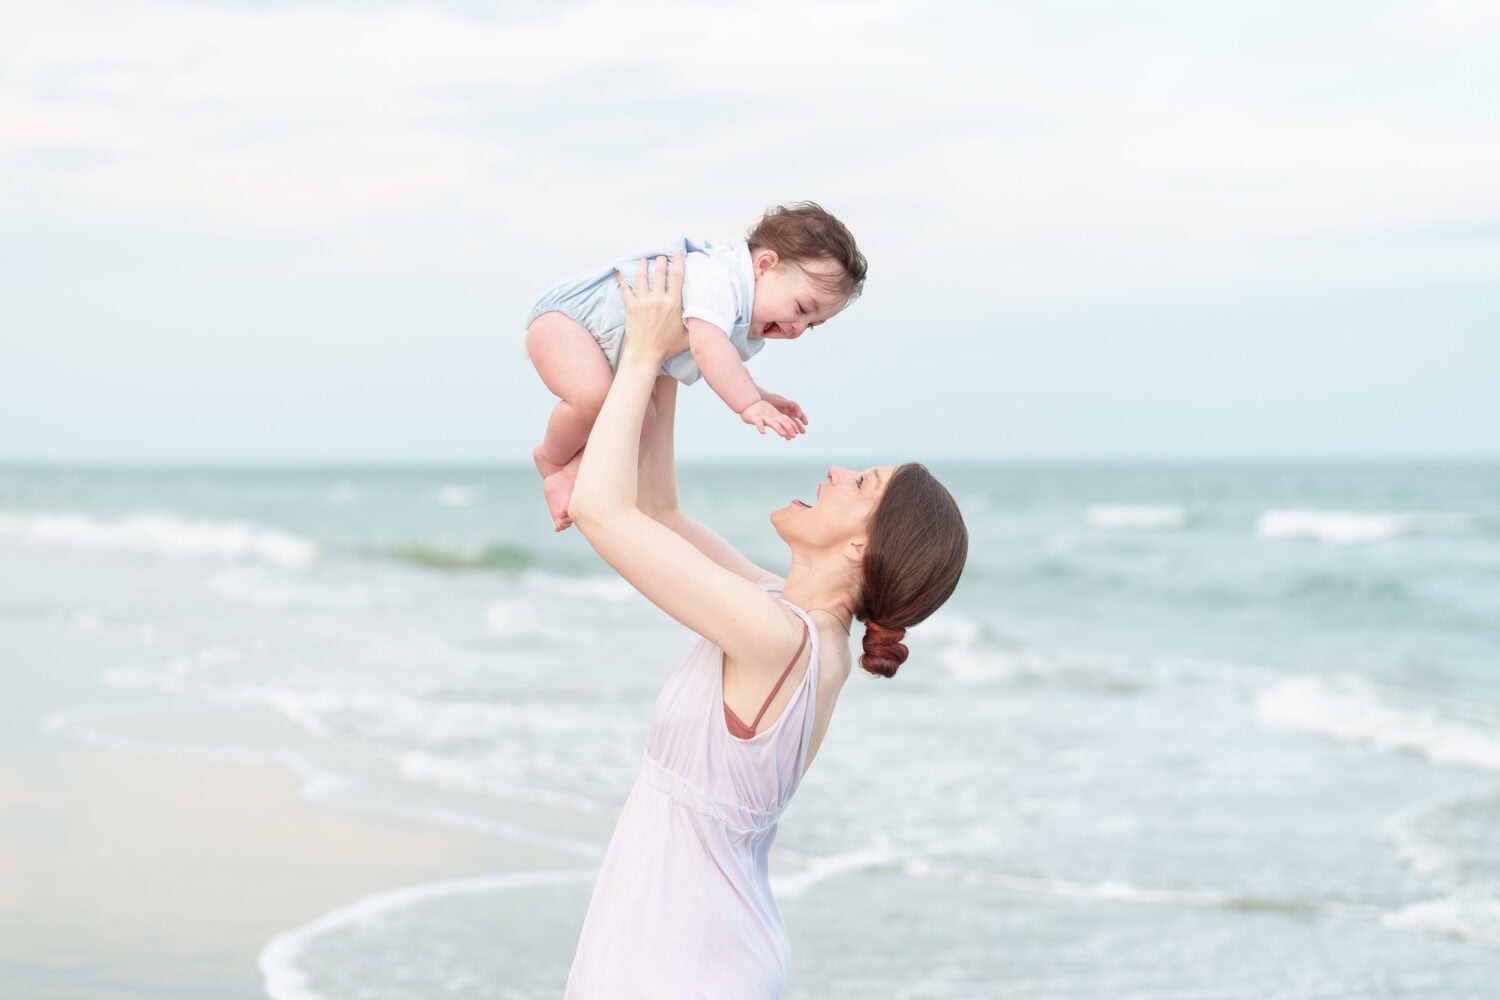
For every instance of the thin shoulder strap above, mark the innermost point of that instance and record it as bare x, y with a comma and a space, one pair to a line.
782, 680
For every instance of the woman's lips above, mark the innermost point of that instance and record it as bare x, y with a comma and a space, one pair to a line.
799, 503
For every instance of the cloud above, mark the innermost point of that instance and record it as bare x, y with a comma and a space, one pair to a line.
1072, 147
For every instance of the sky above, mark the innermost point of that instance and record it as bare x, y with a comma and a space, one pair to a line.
303, 232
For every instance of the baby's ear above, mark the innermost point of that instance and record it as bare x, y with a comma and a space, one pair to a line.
765, 259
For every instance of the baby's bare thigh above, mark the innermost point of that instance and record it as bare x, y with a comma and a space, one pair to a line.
568, 359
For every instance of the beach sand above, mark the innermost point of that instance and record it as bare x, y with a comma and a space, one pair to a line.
135, 876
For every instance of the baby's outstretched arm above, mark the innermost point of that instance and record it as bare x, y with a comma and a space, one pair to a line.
727, 376
788, 406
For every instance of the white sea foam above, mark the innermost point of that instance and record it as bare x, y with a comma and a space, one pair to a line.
1356, 711
1341, 527
1133, 895
161, 533
949, 628
454, 495
608, 588
317, 785
1467, 916
284, 977
512, 619
980, 661
342, 492
445, 772
815, 870
1151, 518
1418, 851
260, 587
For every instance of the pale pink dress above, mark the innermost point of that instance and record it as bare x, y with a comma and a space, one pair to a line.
683, 904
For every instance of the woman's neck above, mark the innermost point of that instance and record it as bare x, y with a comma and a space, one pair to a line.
830, 588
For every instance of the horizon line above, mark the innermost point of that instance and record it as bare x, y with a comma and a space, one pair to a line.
408, 462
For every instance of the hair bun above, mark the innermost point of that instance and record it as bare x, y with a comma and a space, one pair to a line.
884, 651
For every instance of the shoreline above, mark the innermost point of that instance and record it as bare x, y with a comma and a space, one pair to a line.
131, 875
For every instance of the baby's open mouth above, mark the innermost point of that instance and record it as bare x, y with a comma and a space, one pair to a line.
770, 328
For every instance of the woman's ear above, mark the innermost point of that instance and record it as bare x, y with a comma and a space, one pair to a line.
855, 551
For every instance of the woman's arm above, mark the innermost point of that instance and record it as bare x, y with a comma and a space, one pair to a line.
657, 491
668, 569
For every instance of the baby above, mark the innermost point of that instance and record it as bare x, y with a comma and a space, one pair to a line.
797, 267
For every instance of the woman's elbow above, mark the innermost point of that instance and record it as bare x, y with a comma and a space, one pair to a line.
583, 510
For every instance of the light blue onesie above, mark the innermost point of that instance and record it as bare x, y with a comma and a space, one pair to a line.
718, 286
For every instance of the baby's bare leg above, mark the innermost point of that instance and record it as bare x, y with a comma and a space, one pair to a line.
575, 369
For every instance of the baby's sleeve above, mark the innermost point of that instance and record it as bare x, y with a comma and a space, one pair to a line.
708, 291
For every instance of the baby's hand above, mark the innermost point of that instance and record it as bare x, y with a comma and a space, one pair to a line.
785, 406
763, 415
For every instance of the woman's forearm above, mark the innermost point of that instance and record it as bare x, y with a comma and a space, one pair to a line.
703, 538
607, 477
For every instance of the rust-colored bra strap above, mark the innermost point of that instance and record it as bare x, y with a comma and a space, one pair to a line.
743, 731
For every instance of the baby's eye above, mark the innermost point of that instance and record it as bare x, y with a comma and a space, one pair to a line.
801, 311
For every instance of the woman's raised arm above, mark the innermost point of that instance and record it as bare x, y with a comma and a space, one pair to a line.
717, 603
657, 491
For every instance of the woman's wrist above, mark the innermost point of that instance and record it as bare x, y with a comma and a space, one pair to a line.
639, 357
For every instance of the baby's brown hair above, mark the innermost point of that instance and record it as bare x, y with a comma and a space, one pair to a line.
805, 231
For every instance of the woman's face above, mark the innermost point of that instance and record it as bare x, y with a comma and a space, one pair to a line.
840, 509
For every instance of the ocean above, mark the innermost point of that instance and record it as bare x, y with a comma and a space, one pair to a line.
1184, 731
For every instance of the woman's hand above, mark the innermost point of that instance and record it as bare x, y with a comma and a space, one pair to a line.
653, 309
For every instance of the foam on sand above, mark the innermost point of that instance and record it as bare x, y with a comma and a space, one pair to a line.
1342, 527
284, 977
1151, 518
163, 534
1355, 710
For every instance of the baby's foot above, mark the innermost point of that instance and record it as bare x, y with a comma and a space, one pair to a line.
558, 489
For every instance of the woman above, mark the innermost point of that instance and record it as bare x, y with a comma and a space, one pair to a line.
683, 905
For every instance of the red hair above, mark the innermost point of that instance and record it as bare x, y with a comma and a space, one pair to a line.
915, 553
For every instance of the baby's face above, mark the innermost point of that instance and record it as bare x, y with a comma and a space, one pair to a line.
787, 300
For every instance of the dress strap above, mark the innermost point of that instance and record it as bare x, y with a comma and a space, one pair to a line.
744, 732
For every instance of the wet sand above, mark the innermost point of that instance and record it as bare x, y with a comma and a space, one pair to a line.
136, 876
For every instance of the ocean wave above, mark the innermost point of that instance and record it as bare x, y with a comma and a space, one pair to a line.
280, 966
455, 495
1451, 842
322, 784
1149, 518
512, 619
1469, 917
1136, 895
1342, 527
342, 492
1355, 710
464, 558
607, 588
970, 653
788, 885
162, 533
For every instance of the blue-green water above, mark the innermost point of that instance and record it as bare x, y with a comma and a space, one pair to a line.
1184, 731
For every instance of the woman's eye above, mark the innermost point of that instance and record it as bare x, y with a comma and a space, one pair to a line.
859, 482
